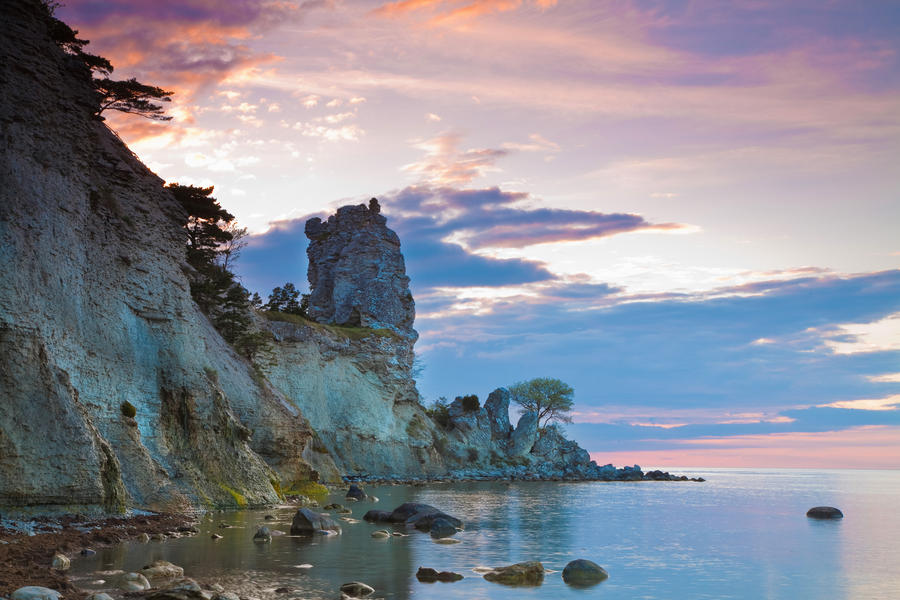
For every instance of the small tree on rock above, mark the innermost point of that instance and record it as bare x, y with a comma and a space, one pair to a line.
132, 96
550, 398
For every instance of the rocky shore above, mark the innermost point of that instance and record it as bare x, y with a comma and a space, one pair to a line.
546, 472
27, 548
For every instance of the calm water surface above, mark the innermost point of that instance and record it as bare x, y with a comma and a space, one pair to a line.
742, 534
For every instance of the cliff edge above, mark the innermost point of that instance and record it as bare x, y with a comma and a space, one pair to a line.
96, 312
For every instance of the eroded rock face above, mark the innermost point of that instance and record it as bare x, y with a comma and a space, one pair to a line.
357, 276
96, 311
523, 438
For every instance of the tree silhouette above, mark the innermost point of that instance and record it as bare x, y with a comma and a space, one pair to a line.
131, 96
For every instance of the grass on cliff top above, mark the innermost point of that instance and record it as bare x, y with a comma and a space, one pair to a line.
353, 333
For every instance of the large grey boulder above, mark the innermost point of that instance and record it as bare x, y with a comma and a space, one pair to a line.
307, 522
421, 516
583, 573
497, 408
357, 276
523, 438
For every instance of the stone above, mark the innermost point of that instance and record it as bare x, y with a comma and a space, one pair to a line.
143, 538
262, 535
429, 575
526, 573
356, 589
525, 435
269, 518
100, 596
824, 512
442, 528
61, 562
333, 506
186, 589
497, 408
307, 522
381, 533
88, 552
34, 592
132, 582
190, 529
355, 492
157, 537
216, 536
583, 573
421, 516
378, 516
226, 596
161, 569
357, 276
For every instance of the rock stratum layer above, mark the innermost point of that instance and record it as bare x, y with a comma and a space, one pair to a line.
95, 311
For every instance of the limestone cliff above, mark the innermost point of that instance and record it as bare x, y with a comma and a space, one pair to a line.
357, 276
95, 311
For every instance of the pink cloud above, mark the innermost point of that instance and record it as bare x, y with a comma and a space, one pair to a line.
869, 447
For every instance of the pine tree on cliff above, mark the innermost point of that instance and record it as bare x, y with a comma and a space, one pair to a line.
128, 96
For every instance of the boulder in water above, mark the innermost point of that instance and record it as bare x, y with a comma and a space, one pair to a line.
442, 528
355, 492
429, 575
378, 516
421, 516
186, 589
262, 535
525, 573
132, 582
824, 512
307, 522
583, 573
356, 589
161, 569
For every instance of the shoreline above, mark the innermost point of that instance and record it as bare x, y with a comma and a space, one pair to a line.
27, 546
26, 555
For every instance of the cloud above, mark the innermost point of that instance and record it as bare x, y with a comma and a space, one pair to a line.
491, 218
449, 11
445, 164
878, 336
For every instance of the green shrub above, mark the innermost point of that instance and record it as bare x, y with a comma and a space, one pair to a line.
470, 403
440, 412
128, 410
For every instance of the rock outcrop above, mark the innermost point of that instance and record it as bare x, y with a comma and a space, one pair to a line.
357, 276
96, 311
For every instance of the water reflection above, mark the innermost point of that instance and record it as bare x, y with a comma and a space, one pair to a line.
740, 535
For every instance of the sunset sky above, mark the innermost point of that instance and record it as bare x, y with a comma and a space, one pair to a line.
689, 211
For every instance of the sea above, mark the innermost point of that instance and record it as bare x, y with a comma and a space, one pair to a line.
741, 534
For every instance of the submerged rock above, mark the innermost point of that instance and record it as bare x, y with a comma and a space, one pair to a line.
356, 589
442, 528
583, 573
525, 573
132, 582
100, 596
381, 533
355, 492
186, 589
421, 516
429, 575
161, 569
824, 512
307, 522
262, 535
378, 516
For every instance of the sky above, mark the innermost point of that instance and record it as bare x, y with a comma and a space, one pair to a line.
688, 211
